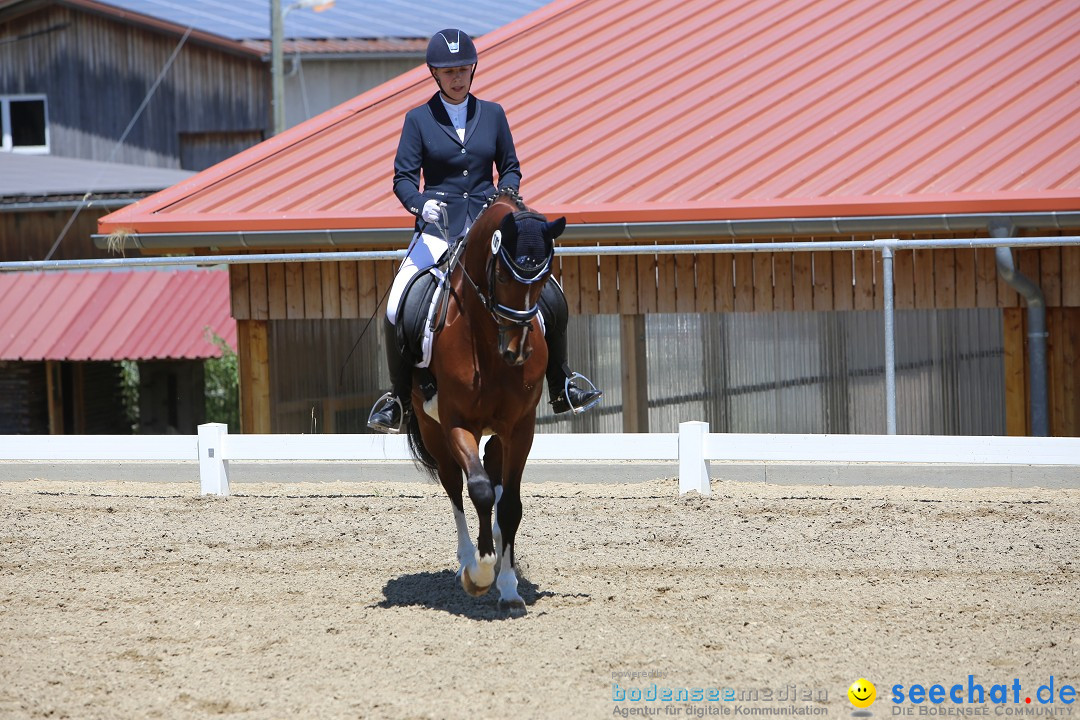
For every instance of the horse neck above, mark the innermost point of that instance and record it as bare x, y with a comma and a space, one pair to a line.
478, 247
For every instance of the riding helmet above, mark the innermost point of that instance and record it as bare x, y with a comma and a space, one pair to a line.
450, 48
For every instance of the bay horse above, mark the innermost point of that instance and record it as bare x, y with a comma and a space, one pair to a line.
488, 361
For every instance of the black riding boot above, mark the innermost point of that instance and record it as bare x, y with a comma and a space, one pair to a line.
390, 410
565, 394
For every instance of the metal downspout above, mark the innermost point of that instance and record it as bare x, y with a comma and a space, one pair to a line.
1036, 316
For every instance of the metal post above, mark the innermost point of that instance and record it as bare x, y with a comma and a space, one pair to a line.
277, 77
890, 342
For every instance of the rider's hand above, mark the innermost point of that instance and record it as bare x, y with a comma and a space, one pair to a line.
432, 210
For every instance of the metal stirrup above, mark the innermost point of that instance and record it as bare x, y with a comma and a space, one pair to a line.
395, 430
566, 393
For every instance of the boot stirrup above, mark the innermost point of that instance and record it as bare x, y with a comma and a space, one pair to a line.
388, 429
591, 387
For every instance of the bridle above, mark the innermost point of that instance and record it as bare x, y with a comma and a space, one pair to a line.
508, 318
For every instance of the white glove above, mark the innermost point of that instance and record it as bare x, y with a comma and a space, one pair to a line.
432, 210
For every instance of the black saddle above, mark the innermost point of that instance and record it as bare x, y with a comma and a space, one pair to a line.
411, 320
413, 312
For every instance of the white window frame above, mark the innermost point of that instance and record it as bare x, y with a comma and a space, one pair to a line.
6, 142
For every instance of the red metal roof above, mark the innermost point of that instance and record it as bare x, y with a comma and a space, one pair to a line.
153, 315
646, 111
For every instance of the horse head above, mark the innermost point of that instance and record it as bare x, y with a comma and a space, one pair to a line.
522, 249
508, 259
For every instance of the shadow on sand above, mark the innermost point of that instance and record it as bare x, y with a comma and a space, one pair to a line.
442, 591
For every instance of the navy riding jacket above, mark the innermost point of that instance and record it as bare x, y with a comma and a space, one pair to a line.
455, 172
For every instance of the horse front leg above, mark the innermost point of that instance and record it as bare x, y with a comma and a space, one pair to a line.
478, 572
451, 479
508, 515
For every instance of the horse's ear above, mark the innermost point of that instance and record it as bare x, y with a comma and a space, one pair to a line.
508, 226
554, 228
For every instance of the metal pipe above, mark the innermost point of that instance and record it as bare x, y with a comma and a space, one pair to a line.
53, 205
890, 341
1036, 322
814, 246
197, 260
682, 249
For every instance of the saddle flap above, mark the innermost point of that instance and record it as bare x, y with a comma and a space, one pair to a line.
413, 314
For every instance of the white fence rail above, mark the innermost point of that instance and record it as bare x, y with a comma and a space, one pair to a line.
692, 448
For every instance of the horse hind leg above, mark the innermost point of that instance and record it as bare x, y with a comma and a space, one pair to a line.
509, 517
493, 453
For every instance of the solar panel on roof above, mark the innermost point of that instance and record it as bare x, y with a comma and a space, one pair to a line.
250, 19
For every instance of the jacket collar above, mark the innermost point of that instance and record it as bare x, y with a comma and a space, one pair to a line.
471, 118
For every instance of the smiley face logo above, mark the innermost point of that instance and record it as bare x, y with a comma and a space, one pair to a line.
862, 693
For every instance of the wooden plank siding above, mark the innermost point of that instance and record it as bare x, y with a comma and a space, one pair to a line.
210, 105
1063, 372
691, 283
29, 235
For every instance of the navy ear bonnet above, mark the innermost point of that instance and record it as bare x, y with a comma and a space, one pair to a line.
528, 243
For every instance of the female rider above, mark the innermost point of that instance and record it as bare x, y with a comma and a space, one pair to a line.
454, 139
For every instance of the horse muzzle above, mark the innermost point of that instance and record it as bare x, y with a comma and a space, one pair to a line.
514, 326
514, 345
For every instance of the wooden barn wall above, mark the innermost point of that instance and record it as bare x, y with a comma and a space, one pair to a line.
29, 235
1063, 371
24, 406
713, 282
742, 282
324, 84
96, 71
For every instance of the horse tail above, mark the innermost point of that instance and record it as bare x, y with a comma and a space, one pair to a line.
423, 459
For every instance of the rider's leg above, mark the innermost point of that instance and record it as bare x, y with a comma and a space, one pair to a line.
565, 393
424, 251
389, 410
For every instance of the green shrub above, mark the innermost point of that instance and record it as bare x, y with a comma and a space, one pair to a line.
222, 385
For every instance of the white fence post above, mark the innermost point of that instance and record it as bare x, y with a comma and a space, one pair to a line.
693, 470
213, 467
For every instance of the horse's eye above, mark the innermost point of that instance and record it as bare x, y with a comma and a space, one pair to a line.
500, 276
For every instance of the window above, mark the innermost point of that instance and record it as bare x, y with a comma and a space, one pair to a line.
24, 125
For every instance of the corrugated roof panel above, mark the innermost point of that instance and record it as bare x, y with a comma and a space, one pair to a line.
17, 311
188, 325
345, 46
127, 316
38, 175
76, 316
51, 322
708, 110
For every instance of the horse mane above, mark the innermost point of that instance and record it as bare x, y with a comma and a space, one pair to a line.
509, 194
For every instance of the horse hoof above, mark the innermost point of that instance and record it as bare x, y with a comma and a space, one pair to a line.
471, 587
515, 607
